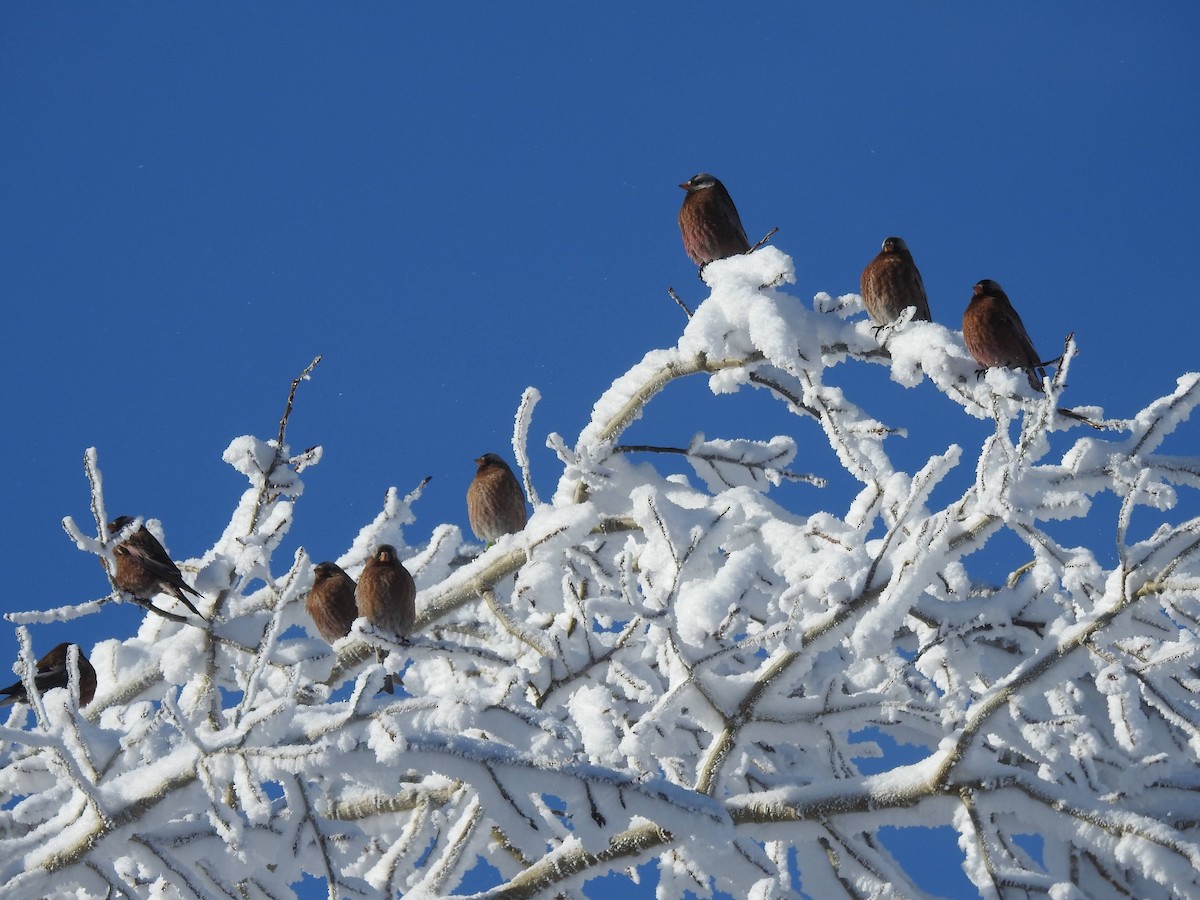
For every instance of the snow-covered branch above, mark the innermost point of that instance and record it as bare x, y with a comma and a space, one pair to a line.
700, 670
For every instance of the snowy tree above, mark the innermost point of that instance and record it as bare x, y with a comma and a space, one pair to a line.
669, 667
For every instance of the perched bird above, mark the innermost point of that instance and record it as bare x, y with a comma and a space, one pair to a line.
995, 335
386, 596
331, 602
144, 569
495, 502
709, 221
891, 284
53, 672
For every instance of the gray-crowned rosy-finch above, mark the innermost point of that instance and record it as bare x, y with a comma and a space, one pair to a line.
386, 596
995, 335
891, 284
709, 221
52, 672
330, 602
495, 502
144, 569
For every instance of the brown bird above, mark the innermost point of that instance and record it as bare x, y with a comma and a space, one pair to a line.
144, 569
53, 672
709, 221
331, 602
386, 597
495, 502
891, 283
995, 335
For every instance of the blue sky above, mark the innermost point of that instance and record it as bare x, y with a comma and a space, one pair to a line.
198, 199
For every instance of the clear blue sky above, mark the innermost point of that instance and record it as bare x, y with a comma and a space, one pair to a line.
197, 199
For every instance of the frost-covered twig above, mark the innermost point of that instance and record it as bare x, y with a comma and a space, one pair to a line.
451, 856
380, 804
554, 868
757, 467
279, 458
511, 627
524, 417
287, 409
319, 838
674, 296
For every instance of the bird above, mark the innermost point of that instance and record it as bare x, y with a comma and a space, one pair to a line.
53, 672
386, 597
709, 221
330, 602
495, 502
995, 335
144, 569
891, 283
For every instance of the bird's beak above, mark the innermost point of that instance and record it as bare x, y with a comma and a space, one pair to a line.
687, 185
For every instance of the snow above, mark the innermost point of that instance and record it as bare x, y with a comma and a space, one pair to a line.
686, 669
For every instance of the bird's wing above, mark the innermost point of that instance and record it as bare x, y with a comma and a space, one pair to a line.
731, 216
1018, 328
47, 675
737, 223
50, 675
919, 286
160, 569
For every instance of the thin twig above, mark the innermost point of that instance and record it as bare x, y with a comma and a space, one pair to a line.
1058, 359
814, 480
766, 237
509, 625
287, 410
1080, 417
682, 305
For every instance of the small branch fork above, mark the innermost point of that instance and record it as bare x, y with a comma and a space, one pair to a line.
762, 241
1058, 359
754, 466
280, 456
287, 411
